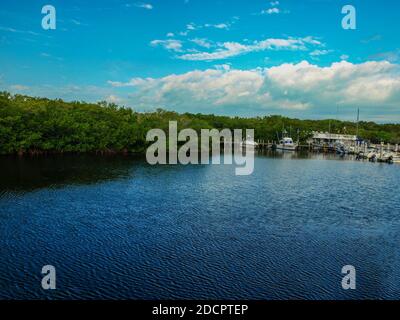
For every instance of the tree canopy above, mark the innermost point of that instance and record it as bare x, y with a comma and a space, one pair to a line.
40, 125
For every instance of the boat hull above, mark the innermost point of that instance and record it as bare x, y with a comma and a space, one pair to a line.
286, 148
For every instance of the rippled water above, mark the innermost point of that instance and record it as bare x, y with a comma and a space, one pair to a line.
116, 227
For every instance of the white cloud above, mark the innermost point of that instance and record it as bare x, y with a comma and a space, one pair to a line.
171, 45
271, 11
134, 82
319, 52
286, 88
202, 42
146, 6
232, 49
225, 67
220, 26
274, 9
191, 26
113, 99
391, 56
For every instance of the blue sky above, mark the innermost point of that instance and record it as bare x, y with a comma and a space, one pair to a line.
237, 57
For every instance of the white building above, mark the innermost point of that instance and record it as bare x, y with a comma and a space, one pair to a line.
326, 138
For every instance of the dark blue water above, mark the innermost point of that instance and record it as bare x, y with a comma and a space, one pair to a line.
118, 228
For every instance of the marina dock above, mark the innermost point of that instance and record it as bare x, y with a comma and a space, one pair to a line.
386, 153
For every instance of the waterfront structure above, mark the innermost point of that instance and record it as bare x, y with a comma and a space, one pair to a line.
326, 138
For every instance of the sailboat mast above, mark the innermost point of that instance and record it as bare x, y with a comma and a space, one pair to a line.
358, 120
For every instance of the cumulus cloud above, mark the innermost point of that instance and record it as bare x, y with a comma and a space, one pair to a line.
301, 87
368, 84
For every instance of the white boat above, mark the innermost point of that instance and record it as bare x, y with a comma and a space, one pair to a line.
248, 143
392, 157
384, 157
287, 144
371, 155
396, 158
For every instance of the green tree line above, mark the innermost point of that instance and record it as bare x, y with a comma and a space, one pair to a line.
39, 125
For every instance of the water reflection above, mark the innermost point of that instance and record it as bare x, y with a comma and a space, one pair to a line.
24, 174
298, 155
30, 173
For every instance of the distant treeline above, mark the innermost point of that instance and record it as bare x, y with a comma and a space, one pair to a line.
39, 125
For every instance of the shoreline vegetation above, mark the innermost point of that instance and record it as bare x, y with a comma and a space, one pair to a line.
35, 126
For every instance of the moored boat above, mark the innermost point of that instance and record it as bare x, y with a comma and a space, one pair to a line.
287, 144
249, 144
